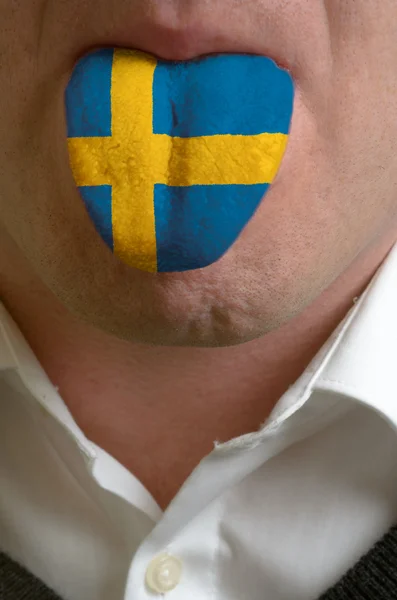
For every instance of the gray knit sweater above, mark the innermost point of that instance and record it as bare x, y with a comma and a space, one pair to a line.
373, 577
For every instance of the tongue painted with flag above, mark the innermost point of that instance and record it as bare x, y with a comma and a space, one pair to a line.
172, 158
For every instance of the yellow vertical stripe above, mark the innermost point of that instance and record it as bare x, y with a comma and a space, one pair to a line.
132, 169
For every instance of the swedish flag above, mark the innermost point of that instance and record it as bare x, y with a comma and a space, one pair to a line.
173, 158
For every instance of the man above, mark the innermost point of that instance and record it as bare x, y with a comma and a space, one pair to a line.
226, 433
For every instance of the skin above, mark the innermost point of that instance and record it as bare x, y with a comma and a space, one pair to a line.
155, 367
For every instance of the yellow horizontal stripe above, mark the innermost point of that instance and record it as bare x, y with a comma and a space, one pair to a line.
205, 160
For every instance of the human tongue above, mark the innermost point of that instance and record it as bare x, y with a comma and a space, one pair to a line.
172, 158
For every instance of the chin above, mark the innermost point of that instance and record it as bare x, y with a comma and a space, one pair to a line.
231, 302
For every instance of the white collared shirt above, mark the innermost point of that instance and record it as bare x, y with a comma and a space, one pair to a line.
280, 513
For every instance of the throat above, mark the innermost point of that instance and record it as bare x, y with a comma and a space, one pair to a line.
162, 444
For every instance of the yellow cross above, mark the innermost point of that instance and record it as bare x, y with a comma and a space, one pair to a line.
133, 159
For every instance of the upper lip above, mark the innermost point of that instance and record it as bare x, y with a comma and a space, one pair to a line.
187, 43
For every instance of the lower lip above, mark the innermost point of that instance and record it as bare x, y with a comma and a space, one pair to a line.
199, 168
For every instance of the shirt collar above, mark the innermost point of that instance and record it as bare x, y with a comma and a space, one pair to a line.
357, 361
363, 365
16, 357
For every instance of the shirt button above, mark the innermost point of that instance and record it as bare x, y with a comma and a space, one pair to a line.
163, 573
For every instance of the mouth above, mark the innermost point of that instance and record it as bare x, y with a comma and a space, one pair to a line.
179, 48
185, 30
174, 144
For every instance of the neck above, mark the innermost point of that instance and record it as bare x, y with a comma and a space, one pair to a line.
169, 405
